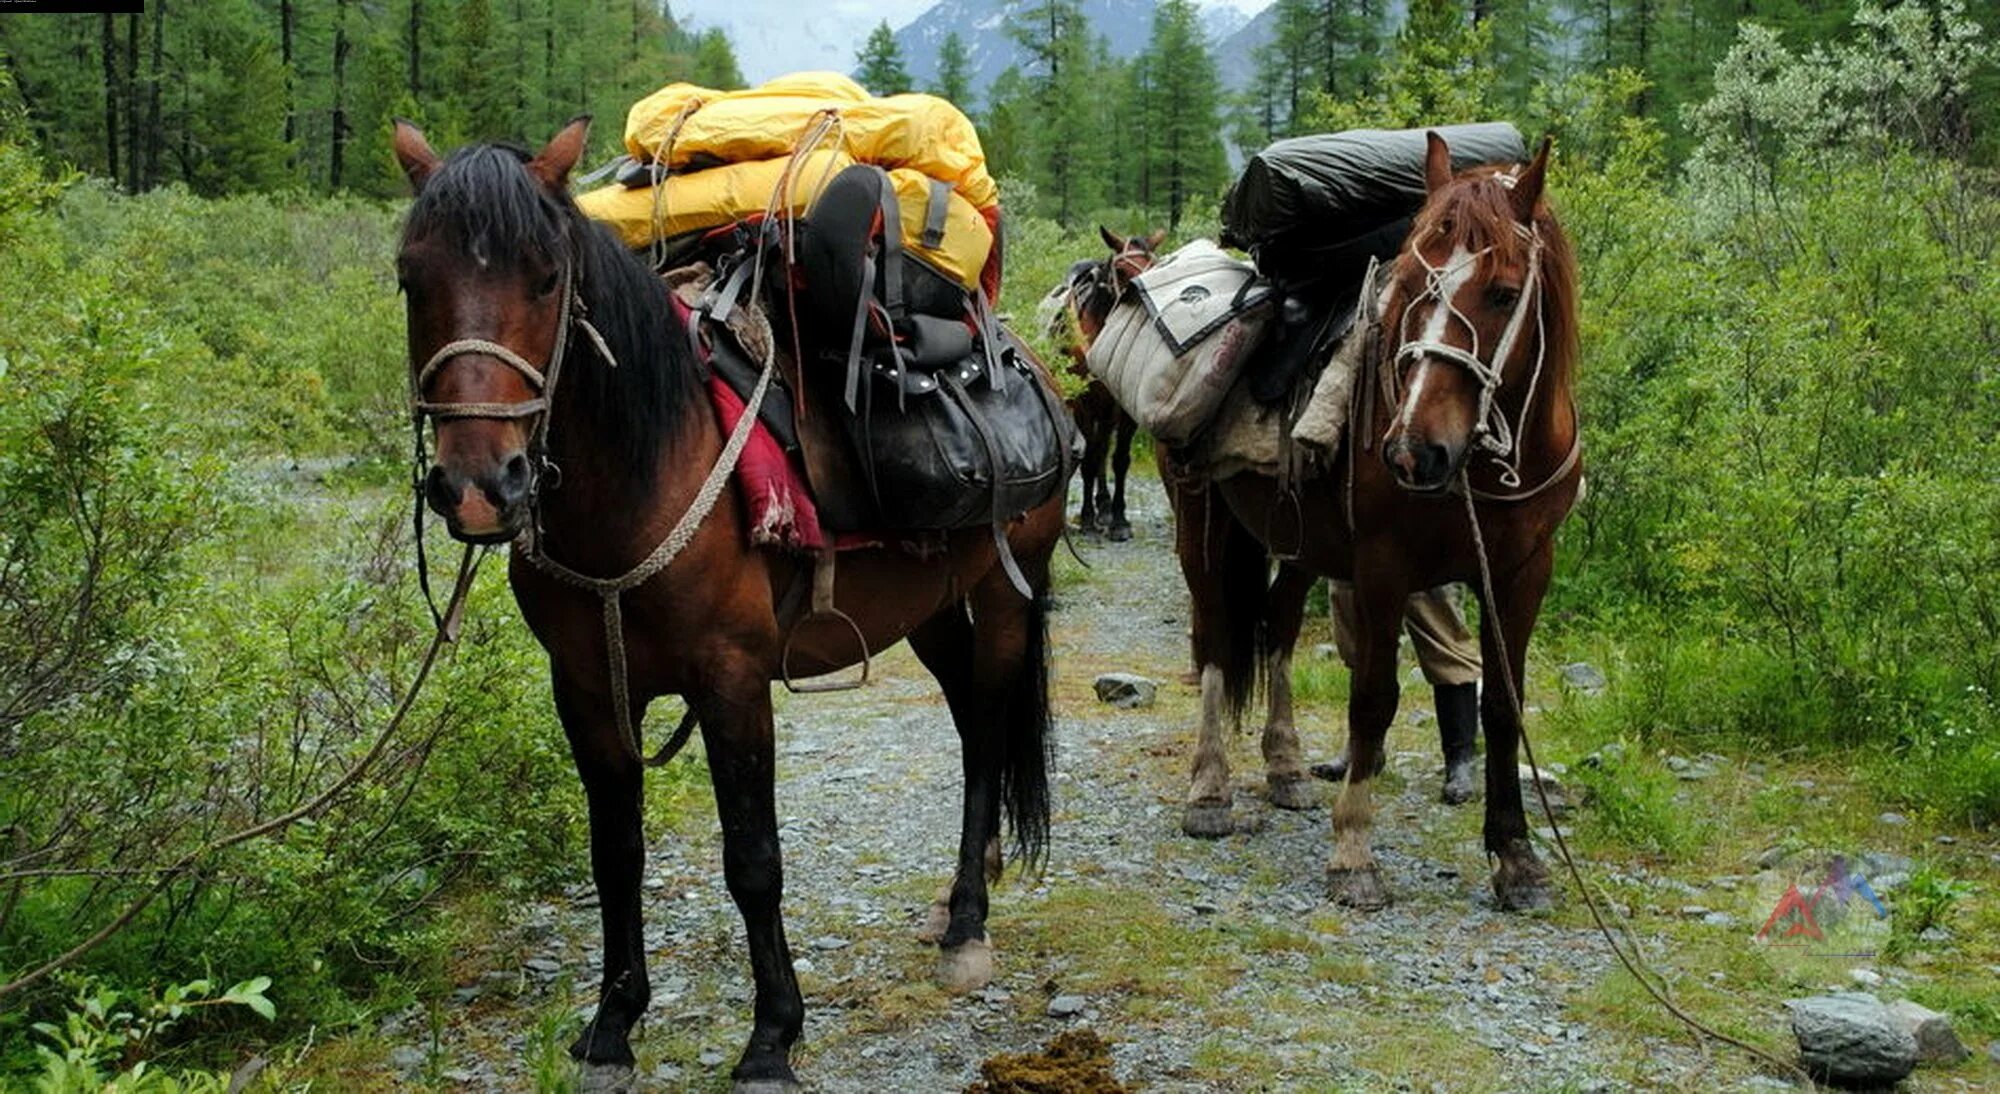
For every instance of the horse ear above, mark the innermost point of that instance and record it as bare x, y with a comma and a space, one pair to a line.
1158, 237
1110, 240
413, 152
1437, 162
1528, 188
553, 163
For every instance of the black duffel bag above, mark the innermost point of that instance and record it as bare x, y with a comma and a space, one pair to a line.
981, 439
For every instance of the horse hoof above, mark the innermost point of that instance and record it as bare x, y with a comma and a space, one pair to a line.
1119, 532
601, 1049
1292, 793
1521, 894
937, 919
606, 1079
965, 968
1360, 889
1208, 821
1459, 785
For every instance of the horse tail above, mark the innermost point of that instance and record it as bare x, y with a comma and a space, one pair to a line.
1028, 741
1245, 579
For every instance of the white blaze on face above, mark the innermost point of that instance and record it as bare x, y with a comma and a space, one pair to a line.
1457, 270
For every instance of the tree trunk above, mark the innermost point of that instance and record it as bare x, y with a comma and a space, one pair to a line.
108, 36
285, 20
416, 50
153, 94
132, 161
337, 164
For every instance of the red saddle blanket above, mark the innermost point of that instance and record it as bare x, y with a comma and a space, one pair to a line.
772, 486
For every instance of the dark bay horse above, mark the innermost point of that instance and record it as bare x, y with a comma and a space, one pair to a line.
506, 281
1107, 430
1466, 443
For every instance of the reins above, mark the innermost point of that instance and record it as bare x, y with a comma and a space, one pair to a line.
1633, 962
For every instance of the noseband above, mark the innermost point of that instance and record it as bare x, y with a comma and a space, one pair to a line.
1491, 430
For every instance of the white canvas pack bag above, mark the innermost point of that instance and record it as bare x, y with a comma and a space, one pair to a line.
1171, 349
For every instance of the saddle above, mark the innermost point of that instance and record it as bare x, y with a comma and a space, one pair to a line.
908, 407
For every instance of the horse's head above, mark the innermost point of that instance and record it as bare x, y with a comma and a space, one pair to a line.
1463, 316
488, 268
1074, 311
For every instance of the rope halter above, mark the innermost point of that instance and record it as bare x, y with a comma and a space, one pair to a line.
1492, 432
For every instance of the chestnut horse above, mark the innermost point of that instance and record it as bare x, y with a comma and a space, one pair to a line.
1270, 607
1468, 427
1462, 461
505, 278
1107, 430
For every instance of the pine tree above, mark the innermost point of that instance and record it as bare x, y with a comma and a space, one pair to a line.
954, 74
715, 61
1056, 38
881, 68
1183, 147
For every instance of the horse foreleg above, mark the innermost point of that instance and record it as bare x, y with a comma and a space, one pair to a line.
1120, 529
736, 731
1284, 763
1096, 430
1352, 876
612, 783
1520, 880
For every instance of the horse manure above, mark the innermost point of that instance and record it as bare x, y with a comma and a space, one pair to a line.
1076, 1062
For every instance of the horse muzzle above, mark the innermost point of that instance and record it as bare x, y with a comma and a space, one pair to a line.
489, 506
1421, 466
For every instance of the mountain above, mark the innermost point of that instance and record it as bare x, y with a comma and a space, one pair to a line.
773, 37
1236, 56
982, 26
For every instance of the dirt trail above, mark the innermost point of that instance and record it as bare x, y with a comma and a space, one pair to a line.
1206, 966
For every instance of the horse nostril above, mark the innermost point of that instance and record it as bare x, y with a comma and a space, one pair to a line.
515, 476
1433, 461
439, 490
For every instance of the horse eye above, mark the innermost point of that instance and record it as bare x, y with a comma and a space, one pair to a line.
547, 286
1503, 296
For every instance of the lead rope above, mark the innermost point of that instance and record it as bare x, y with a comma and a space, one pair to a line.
611, 589
1634, 962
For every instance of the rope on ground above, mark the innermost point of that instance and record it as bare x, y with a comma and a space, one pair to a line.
467, 568
1634, 961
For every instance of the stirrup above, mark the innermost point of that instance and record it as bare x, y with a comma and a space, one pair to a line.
1296, 547
823, 611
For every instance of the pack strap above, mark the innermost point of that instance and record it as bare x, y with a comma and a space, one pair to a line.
938, 206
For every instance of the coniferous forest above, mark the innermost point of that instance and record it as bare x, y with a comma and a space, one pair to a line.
1784, 583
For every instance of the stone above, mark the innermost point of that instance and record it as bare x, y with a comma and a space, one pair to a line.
1690, 770
1849, 1038
1325, 651
1867, 978
1066, 1006
1560, 798
547, 966
1584, 677
829, 942
1893, 820
1937, 1042
406, 1057
711, 1057
1126, 690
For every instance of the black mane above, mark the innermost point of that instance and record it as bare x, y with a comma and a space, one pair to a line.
482, 202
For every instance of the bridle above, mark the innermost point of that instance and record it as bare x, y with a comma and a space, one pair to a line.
1499, 438
1102, 276
542, 380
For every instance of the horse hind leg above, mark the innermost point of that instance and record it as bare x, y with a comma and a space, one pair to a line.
1285, 781
993, 676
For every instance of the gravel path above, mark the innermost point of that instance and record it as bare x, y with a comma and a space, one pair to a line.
1208, 966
